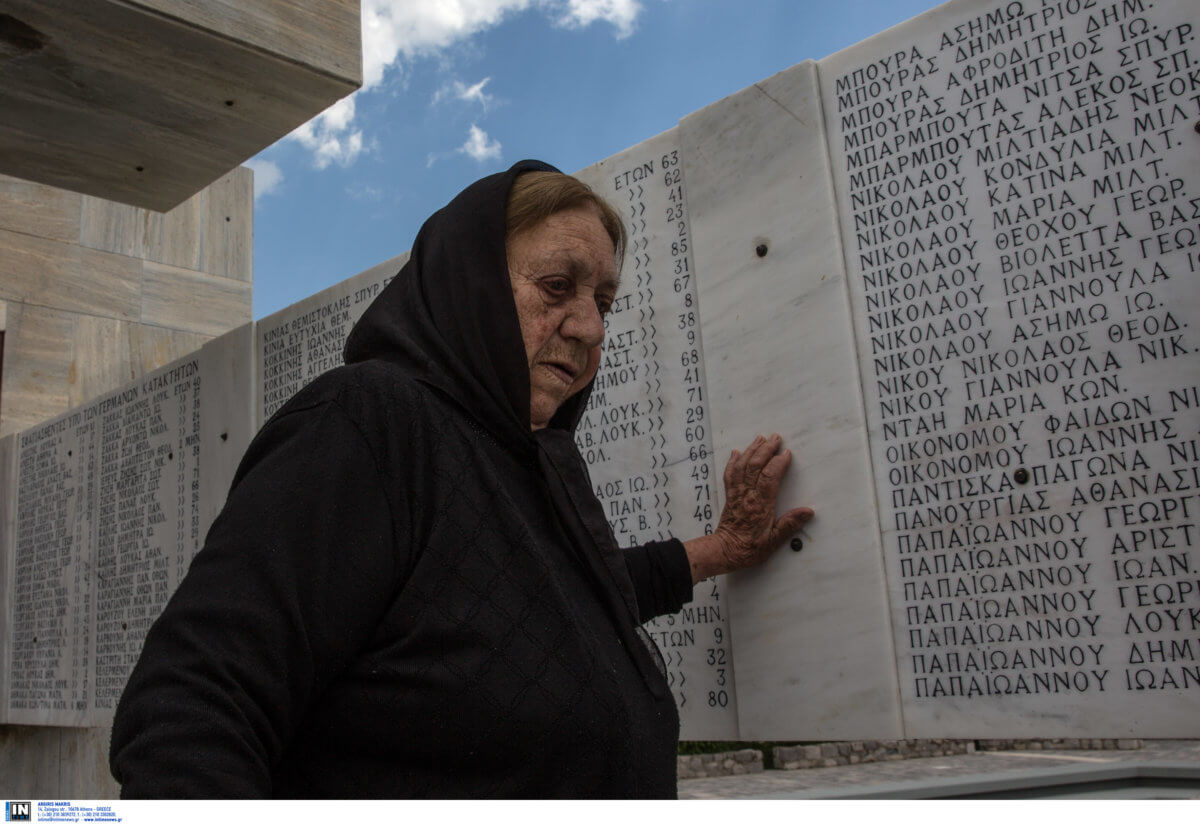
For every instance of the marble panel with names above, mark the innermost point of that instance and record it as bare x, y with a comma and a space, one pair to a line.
646, 433
8, 504
100, 494
300, 342
1019, 193
110, 508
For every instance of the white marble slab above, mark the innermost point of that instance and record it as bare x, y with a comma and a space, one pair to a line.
8, 501
1032, 176
646, 434
303, 340
113, 500
811, 643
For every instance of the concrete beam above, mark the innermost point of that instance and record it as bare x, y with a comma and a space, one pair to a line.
148, 101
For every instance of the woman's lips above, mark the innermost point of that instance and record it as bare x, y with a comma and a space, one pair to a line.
563, 372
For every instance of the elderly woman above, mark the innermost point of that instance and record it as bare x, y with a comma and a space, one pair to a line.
412, 590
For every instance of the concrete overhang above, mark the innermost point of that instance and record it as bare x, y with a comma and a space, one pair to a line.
148, 101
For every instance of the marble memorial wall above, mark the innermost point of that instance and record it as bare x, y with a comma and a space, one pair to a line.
1019, 190
955, 266
110, 502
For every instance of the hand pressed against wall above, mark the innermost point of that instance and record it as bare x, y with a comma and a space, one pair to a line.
748, 531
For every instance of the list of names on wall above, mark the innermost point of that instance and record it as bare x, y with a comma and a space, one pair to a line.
645, 434
306, 340
107, 521
50, 636
1020, 197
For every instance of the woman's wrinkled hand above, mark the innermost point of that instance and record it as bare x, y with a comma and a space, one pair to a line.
748, 531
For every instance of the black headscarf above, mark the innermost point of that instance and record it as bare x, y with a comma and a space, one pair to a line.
449, 316
448, 319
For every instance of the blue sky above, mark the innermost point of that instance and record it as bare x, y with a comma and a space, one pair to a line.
456, 89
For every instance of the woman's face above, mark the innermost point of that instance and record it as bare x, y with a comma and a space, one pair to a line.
564, 279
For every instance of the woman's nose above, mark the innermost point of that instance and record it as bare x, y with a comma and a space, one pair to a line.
585, 323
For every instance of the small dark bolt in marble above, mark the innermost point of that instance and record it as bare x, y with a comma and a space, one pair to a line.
797, 545
1021, 476
761, 250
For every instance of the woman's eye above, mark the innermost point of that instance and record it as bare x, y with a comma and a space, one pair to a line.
603, 304
557, 287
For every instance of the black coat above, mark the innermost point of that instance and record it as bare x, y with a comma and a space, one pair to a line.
408, 593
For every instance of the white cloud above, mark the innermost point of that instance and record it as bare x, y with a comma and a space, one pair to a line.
479, 147
394, 29
395, 33
365, 192
620, 13
329, 137
468, 94
267, 176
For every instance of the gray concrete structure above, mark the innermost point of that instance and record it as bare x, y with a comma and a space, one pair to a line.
148, 101
96, 293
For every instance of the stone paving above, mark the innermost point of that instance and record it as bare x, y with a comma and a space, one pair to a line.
774, 782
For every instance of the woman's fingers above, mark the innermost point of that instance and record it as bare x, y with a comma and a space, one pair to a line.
791, 521
772, 473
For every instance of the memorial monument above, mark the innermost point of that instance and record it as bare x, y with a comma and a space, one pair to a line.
955, 266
